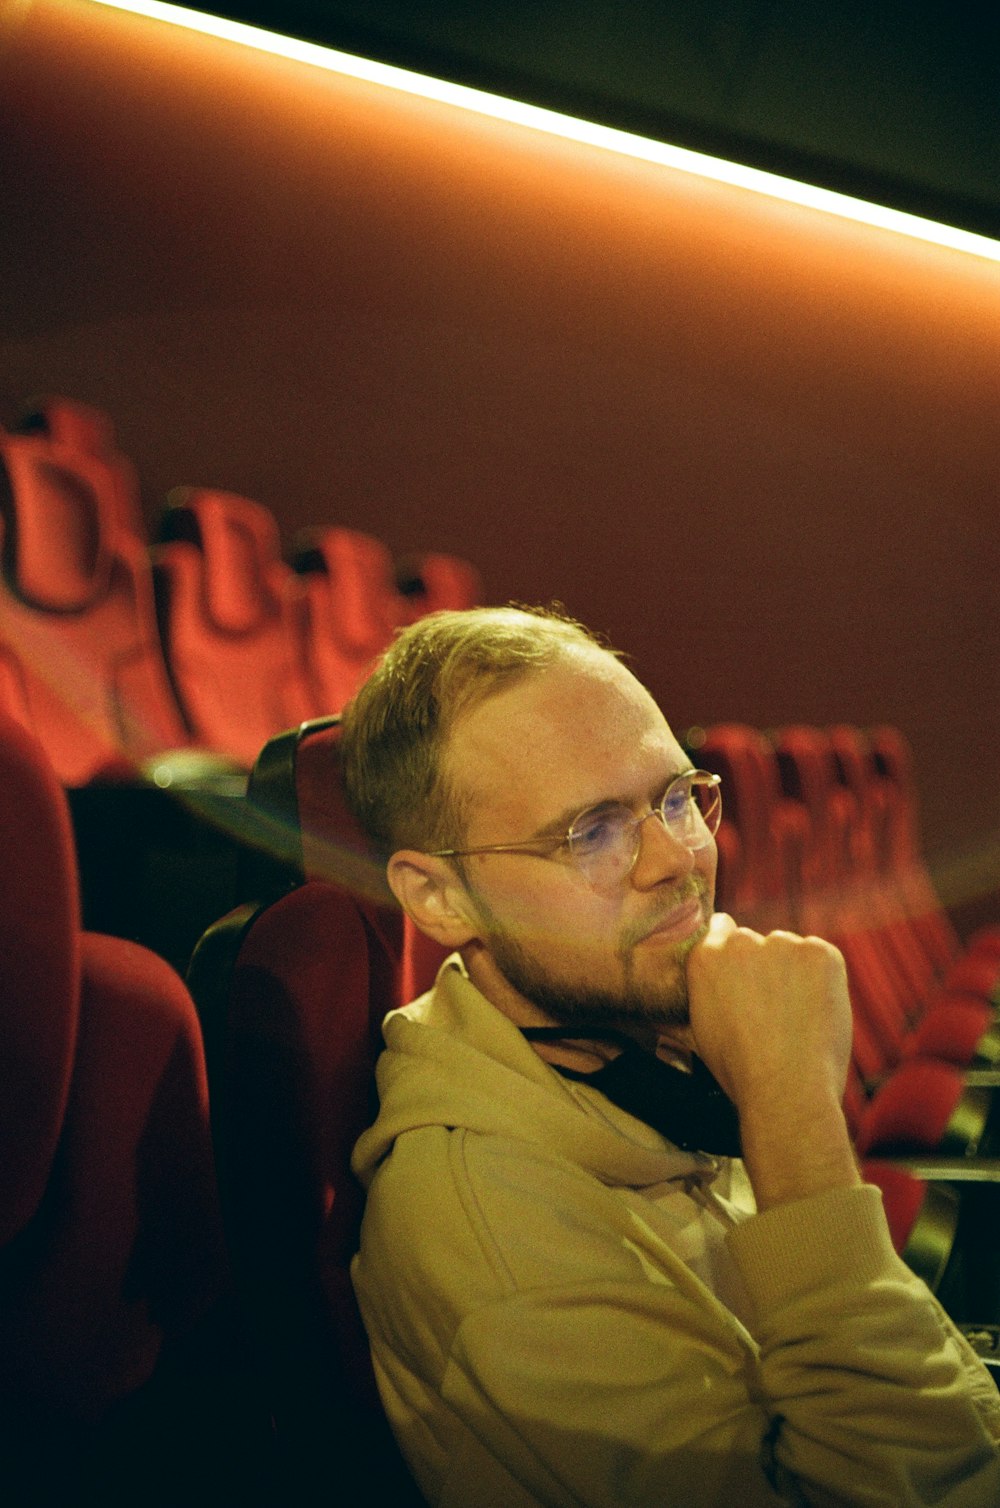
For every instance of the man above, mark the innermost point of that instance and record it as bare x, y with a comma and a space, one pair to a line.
566, 1304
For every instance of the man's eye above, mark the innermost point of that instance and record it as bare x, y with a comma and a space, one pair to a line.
675, 803
598, 829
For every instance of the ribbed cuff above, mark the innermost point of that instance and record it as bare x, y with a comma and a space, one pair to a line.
793, 1249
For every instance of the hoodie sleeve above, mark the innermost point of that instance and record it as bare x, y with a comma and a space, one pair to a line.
864, 1377
582, 1363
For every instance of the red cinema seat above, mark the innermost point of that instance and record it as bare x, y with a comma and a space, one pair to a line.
40, 953
844, 900
433, 582
945, 1233
352, 608
955, 1017
77, 618
13, 690
356, 600
308, 833
974, 968
112, 1265
292, 993
914, 1105
230, 620
771, 832
81, 428
794, 872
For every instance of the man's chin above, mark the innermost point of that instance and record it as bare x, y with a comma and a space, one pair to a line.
650, 991
659, 1009
656, 978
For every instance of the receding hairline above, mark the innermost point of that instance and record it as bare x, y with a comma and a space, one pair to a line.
577, 658
561, 642
587, 656
434, 673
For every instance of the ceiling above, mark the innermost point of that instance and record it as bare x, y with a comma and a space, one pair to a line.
896, 101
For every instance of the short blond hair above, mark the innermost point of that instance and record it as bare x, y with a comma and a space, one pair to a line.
396, 726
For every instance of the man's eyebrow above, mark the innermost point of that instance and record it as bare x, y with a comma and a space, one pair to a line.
560, 825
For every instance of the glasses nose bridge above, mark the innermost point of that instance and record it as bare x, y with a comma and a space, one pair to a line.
637, 825
654, 811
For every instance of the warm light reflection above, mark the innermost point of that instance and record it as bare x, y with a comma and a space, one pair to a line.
566, 126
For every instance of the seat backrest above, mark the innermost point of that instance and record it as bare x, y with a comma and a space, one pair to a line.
77, 612
13, 690
787, 872
356, 599
901, 850
110, 1237
352, 607
843, 902
81, 428
72, 423
771, 831
879, 806
292, 994
307, 832
230, 615
40, 961
432, 581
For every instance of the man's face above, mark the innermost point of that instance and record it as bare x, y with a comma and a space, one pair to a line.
526, 762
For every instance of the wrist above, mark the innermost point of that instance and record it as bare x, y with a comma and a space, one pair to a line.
792, 1153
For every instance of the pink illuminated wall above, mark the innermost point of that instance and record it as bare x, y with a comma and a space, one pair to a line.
757, 446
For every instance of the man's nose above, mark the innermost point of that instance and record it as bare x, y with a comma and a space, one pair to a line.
661, 855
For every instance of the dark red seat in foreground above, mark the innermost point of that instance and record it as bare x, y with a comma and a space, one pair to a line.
114, 1366
292, 992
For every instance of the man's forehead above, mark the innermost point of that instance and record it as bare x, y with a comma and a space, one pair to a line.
576, 724
582, 682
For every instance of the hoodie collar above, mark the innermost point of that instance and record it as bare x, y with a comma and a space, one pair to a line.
452, 1059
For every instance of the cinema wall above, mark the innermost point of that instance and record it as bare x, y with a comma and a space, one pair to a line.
756, 445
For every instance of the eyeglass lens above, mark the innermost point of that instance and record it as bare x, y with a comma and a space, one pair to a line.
606, 840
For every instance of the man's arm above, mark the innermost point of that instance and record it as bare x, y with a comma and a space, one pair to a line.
771, 1016
584, 1363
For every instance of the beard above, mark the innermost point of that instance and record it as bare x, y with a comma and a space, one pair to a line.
661, 1002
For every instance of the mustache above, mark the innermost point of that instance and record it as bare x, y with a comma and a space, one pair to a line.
693, 888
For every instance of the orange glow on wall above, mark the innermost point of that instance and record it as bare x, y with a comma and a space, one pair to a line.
497, 107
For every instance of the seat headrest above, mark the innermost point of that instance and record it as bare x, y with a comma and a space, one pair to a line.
297, 783
361, 604
433, 582
76, 425
56, 553
241, 547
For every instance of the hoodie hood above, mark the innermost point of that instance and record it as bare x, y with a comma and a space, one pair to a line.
452, 1059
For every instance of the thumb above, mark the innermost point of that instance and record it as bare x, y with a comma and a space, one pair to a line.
720, 926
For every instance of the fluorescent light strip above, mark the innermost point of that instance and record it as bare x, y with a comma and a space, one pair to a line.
610, 139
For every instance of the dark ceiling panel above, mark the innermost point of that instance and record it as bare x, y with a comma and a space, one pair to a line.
897, 101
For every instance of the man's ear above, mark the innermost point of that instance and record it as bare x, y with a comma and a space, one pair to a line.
432, 896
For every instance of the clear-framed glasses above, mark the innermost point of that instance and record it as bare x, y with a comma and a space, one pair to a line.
604, 840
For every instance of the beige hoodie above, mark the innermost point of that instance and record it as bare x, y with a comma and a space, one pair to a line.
565, 1309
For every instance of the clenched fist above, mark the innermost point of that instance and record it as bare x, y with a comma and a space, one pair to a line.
771, 1018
